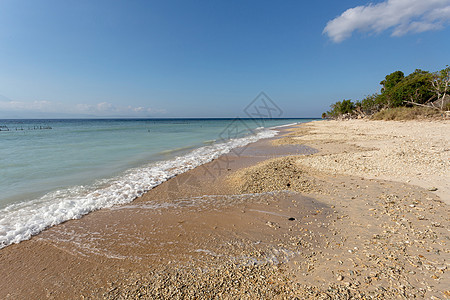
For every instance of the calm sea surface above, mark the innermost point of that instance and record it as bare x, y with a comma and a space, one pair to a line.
55, 170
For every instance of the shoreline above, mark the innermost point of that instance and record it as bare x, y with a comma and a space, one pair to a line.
74, 201
244, 226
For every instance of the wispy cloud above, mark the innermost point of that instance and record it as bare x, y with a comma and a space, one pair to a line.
106, 108
102, 109
400, 16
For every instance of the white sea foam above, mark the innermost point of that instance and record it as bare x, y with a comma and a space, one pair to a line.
286, 125
19, 222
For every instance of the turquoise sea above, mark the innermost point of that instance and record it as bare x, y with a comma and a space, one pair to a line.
55, 170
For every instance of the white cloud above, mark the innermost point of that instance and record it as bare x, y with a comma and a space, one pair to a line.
403, 16
106, 107
42, 105
102, 109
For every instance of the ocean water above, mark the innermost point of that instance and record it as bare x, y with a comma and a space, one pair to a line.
52, 171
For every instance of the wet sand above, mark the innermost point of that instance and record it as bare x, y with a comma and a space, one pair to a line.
256, 223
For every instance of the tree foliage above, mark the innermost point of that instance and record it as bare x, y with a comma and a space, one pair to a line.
341, 108
369, 105
391, 80
418, 88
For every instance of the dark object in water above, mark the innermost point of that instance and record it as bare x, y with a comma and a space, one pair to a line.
291, 219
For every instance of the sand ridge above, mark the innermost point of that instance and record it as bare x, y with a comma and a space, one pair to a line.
275, 174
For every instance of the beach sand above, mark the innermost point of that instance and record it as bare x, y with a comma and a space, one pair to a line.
293, 216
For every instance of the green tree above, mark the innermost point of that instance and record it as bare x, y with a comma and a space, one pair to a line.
391, 80
346, 107
341, 107
370, 104
414, 88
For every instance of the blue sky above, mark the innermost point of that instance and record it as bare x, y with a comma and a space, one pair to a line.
208, 58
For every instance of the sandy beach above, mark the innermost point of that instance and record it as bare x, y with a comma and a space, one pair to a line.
325, 210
